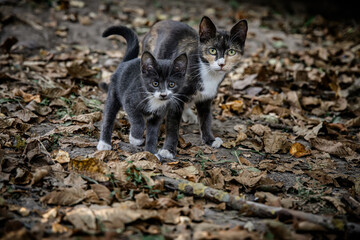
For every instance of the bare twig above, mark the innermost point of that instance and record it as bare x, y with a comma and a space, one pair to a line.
258, 209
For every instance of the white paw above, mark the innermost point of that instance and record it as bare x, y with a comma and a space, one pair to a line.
103, 146
135, 141
217, 143
165, 154
189, 116
158, 156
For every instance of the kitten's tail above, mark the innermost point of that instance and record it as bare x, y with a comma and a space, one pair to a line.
132, 40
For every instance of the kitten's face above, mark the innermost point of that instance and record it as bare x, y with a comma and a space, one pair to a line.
221, 50
163, 78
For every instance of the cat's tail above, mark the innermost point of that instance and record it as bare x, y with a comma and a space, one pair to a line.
132, 40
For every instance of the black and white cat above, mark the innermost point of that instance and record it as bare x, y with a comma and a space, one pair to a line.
144, 88
211, 53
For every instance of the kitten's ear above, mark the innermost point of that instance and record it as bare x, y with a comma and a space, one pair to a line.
148, 62
180, 64
239, 31
207, 29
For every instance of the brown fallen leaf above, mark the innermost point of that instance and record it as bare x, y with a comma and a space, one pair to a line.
260, 129
144, 160
337, 203
343, 149
275, 142
85, 118
216, 178
25, 115
247, 177
355, 122
298, 150
91, 167
75, 180
36, 153
323, 177
77, 70
65, 197
39, 109
102, 192
76, 141
6, 122
60, 156
143, 201
236, 106
39, 174
26, 96
171, 215
82, 218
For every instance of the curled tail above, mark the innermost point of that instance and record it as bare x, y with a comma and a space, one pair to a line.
132, 41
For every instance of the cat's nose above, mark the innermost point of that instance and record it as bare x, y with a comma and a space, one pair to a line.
163, 95
221, 65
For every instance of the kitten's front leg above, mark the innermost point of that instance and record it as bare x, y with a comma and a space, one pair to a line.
152, 132
137, 127
173, 119
112, 106
205, 118
188, 115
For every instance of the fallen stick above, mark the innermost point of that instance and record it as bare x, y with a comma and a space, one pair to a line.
258, 209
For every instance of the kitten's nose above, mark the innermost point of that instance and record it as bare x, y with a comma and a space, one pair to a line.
163, 95
221, 65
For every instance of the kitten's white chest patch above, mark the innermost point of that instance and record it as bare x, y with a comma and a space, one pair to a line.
210, 82
156, 104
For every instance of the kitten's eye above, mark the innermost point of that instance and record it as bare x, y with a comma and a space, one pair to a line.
155, 83
171, 84
231, 52
212, 51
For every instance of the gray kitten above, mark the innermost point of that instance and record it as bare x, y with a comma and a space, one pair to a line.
145, 88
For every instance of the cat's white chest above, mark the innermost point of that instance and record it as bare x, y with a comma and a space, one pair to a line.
210, 83
155, 105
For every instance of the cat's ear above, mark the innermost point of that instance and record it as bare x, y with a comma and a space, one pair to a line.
207, 29
148, 62
238, 32
180, 64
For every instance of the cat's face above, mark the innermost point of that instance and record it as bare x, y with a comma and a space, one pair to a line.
221, 50
163, 78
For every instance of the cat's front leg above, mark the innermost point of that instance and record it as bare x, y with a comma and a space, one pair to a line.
173, 120
137, 127
112, 106
188, 115
205, 118
152, 131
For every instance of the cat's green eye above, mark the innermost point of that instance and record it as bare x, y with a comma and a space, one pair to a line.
171, 84
212, 51
155, 83
231, 52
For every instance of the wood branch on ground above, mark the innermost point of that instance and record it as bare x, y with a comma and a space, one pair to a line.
260, 210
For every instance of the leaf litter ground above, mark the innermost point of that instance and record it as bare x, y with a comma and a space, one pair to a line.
289, 116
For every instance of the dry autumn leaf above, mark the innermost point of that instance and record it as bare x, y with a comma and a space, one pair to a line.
91, 167
298, 150
26, 96
234, 106
66, 196
60, 156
